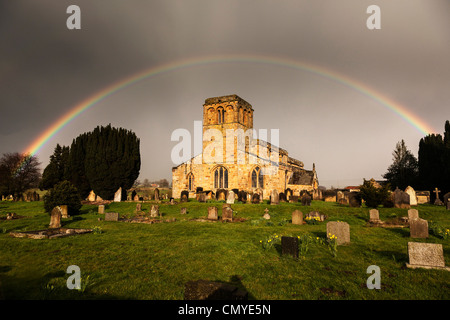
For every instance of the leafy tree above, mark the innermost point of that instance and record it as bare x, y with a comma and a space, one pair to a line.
112, 160
18, 172
63, 193
372, 195
404, 170
57, 170
76, 165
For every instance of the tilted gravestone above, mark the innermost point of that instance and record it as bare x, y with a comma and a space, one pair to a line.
339, 229
118, 195
101, 208
412, 196
212, 213
55, 218
289, 246
227, 214
400, 199
111, 216
418, 228
413, 214
426, 255
297, 217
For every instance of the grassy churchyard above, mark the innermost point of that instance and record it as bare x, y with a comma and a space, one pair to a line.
123, 260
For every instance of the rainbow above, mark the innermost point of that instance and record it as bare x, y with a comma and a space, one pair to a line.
353, 84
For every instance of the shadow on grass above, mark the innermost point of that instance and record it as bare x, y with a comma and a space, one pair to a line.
403, 232
394, 255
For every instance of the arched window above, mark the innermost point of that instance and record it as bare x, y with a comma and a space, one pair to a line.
191, 182
257, 178
221, 178
220, 116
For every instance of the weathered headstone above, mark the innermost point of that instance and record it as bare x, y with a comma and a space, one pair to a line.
423, 197
156, 194
231, 197
64, 211
289, 246
201, 197
154, 212
55, 218
212, 213
101, 208
255, 198
184, 196
374, 216
400, 199
282, 197
118, 195
274, 197
413, 214
183, 211
339, 195
242, 196
138, 207
426, 255
412, 196
297, 217
306, 199
227, 214
354, 199
418, 228
221, 195
339, 229
111, 216
446, 199
209, 290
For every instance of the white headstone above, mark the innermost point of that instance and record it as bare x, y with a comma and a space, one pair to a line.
118, 195
412, 196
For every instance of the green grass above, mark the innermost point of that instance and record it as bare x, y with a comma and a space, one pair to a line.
143, 261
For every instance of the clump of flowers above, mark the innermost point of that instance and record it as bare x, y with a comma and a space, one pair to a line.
312, 220
268, 242
97, 230
439, 231
332, 244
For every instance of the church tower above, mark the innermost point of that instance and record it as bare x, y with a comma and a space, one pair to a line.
226, 112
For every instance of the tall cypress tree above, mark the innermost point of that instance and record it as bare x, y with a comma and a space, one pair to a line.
76, 165
57, 169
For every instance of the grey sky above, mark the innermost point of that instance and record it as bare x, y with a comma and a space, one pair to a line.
46, 69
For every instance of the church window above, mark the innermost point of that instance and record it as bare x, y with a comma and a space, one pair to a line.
221, 178
257, 178
221, 116
191, 182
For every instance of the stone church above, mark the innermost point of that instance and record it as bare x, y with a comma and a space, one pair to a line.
243, 169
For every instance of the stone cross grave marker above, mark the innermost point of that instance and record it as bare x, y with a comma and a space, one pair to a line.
426, 255
289, 246
297, 217
266, 214
340, 229
438, 201
111, 216
55, 218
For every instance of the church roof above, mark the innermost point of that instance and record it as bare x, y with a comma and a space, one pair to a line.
229, 98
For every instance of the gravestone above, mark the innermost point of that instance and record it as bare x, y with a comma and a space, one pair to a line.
201, 197
156, 195
183, 211
289, 246
154, 212
118, 195
412, 196
227, 214
400, 199
255, 198
55, 218
418, 228
136, 197
111, 216
184, 196
138, 207
306, 199
282, 197
297, 217
274, 198
288, 193
231, 197
64, 211
438, 201
343, 201
448, 205
340, 229
354, 199
242, 196
101, 208
374, 216
172, 201
413, 214
221, 195
293, 199
210, 290
339, 195
423, 197
212, 213
426, 255
446, 199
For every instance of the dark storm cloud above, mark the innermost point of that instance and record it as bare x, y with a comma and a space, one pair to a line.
46, 69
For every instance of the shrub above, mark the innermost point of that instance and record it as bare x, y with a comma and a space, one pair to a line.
63, 193
374, 196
